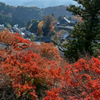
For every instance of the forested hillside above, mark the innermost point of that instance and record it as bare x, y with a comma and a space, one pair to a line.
20, 14
57, 11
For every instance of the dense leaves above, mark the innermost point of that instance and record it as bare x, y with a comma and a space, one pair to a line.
49, 51
32, 25
48, 25
86, 31
8, 37
32, 72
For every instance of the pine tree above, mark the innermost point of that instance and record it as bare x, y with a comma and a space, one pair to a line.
85, 32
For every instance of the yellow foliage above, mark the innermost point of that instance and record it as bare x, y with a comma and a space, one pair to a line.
40, 24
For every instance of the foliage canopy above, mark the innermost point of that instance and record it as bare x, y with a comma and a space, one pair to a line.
85, 32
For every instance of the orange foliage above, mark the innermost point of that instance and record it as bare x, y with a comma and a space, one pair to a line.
49, 51
40, 24
42, 65
82, 80
11, 38
26, 70
7, 37
39, 30
52, 26
53, 95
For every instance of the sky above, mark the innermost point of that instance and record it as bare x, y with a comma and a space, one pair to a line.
39, 3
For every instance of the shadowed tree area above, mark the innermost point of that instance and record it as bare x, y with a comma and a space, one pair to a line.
48, 26
86, 31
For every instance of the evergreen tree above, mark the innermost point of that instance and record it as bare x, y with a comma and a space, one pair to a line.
86, 31
33, 25
59, 18
28, 24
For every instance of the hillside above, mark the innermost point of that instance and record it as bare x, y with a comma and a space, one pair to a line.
57, 11
20, 14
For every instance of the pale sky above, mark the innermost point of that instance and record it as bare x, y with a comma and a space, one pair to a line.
38, 3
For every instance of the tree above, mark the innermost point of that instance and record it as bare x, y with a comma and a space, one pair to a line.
33, 26
59, 18
32, 37
2, 6
85, 32
39, 30
28, 24
48, 26
8, 25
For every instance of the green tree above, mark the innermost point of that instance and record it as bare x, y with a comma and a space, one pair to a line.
2, 19
2, 6
8, 25
28, 24
59, 18
33, 26
85, 32
32, 37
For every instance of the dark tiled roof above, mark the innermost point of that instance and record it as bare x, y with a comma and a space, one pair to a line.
46, 39
73, 21
64, 20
